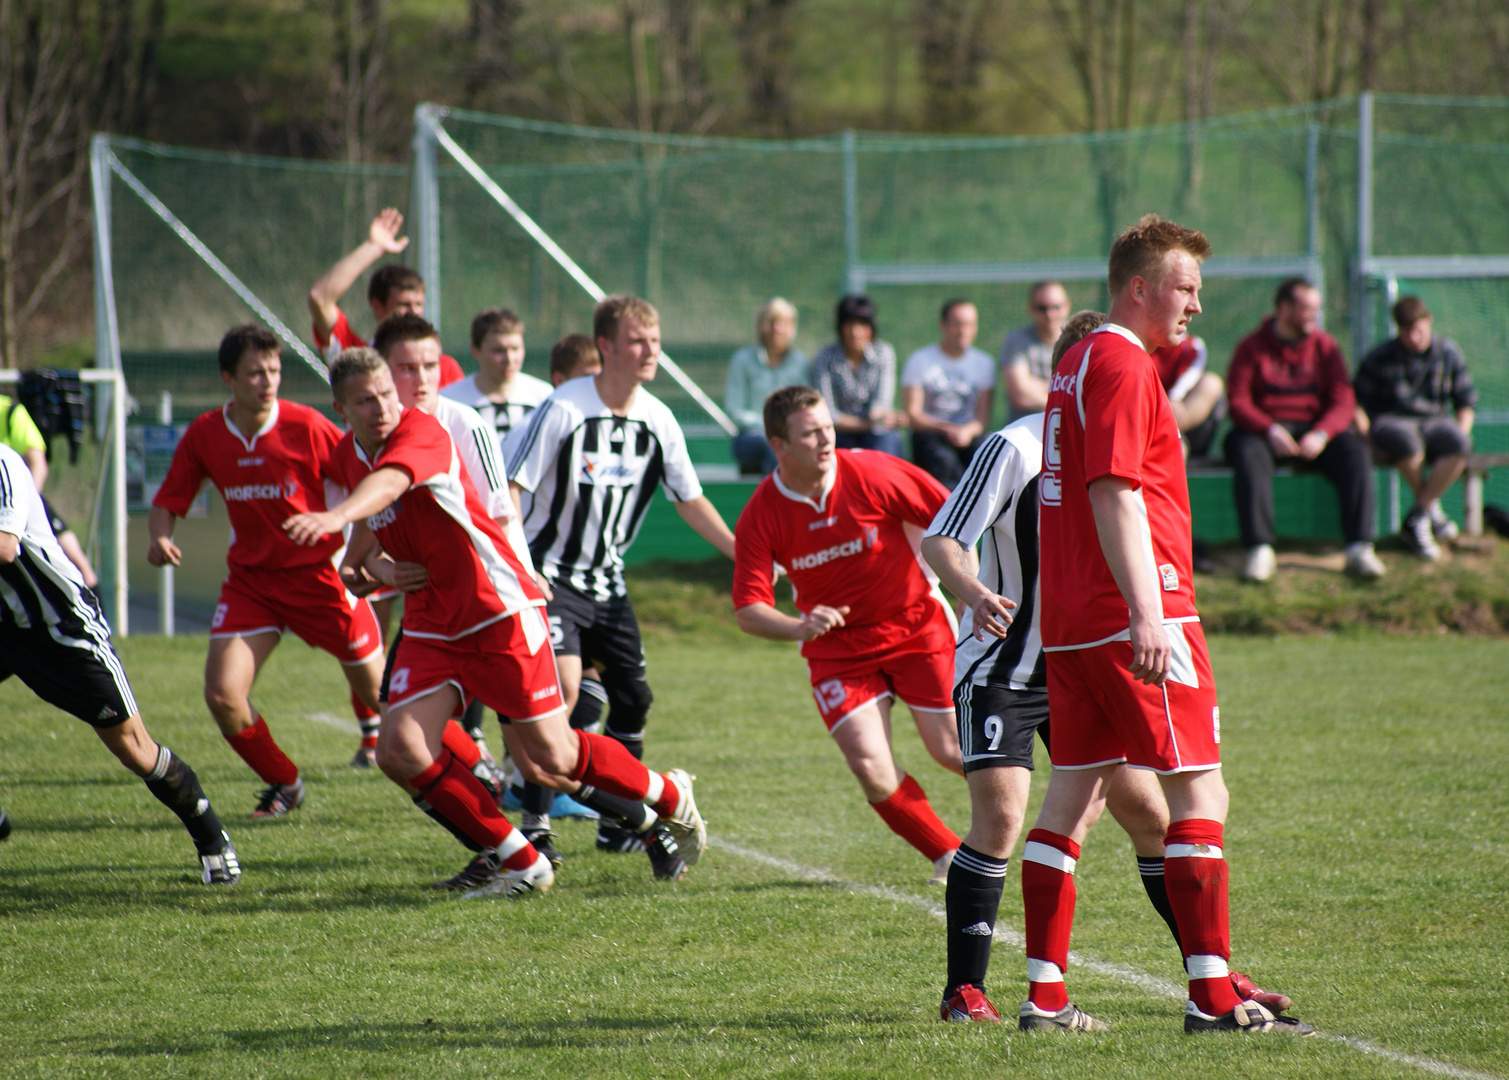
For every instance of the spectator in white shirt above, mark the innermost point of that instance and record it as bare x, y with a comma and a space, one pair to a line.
946, 390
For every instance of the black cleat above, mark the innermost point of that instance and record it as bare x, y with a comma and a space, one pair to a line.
665, 856
366, 758
616, 838
278, 799
1248, 1017
544, 842
477, 873
221, 867
4, 826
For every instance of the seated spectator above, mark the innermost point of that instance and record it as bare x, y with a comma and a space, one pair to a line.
1415, 402
1194, 393
575, 356
754, 373
857, 377
946, 391
1027, 352
1292, 403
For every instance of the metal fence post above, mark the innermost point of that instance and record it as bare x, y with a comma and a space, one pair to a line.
1360, 319
424, 207
853, 279
110, 416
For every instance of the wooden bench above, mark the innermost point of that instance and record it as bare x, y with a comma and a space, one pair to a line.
1472, 487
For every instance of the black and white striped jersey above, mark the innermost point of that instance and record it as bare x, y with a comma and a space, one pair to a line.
996, 502
41, 589
524, 397
588, 477
477, 446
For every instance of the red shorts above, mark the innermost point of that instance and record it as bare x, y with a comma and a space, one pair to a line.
920, 673
1102, 716
310, 601
494, 665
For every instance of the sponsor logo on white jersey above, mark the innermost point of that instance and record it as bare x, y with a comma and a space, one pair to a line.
611, 470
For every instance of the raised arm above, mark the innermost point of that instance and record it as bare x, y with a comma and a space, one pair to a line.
325, 294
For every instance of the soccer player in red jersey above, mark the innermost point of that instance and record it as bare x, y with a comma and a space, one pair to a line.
269, 459
1129, 677
474, 629
393, 288
872, 627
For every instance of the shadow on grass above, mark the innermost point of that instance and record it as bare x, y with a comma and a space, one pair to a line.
96, 894
584, 1033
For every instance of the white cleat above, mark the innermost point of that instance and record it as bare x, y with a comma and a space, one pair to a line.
517, 884
686, 824
1261, 563
940, 868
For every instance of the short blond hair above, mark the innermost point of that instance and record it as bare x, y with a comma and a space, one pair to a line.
1140, 250
775, 308
613, 310
352, 364
1079, 327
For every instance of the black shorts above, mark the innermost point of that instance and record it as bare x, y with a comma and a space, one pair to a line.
996, 725
602, 632
85, 680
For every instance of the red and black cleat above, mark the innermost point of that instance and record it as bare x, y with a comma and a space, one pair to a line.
969, 1005
1248, 990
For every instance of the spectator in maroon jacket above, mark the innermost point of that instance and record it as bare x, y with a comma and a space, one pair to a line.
1292, 403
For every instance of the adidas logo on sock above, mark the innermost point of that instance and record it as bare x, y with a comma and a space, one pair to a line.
979, 929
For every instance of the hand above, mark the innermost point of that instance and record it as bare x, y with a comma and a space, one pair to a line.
358, 582
881, 420
384, 231
820, 620
544, 586
958, 435
1282, 443
900, 419
1150, 653
991, 615
307, 530
408, 576
1312, 444
163, 552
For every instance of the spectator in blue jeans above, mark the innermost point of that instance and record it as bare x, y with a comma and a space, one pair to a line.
857, 377
754, 373
1416, 404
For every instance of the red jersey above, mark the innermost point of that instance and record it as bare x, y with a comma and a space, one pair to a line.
1180, 366
265, 480
1108, 415
475, 577
343, 337
849, 548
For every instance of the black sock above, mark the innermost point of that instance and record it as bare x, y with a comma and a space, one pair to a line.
174, 784
629, 813
471, 722
633, 743
446, 824
589, 705
975, 882
1151, 869
537, 799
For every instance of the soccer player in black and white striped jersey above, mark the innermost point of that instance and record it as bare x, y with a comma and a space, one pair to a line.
1001, 698
54, 637
585, 469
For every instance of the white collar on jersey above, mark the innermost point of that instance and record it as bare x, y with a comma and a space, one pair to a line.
828, 482
230, 425
1113, 328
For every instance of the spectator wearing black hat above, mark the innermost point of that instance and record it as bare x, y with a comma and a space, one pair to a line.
857, 377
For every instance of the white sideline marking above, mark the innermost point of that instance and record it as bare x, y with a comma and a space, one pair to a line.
329, 720
1151, 983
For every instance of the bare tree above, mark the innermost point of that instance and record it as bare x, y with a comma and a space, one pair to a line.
358, 78
494, 36
951, 45
767, 35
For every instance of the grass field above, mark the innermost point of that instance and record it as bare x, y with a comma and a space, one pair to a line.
1368, 849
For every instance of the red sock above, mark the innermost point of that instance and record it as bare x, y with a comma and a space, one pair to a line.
267, 760
456, 795
1194, 871
670, 797
910, 816
1048, 861
366, 720
604, 763
457, 741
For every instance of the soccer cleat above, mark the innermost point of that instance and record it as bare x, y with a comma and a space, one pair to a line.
665, 856
4, 826
477, 873
277, 799
221, 867
1248, 990
366, 757
544, 842
685, 823
1069, 1018
565, 806
492, 778
1248, 1017
940, 868
1363, 562
969, 1005
1440, 524
616, 839
1418, 535
517, 884
1261, 563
